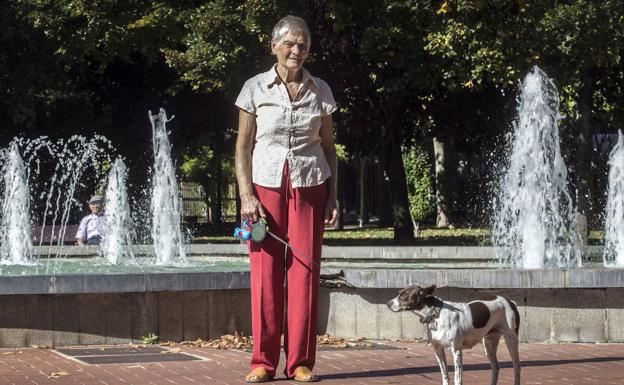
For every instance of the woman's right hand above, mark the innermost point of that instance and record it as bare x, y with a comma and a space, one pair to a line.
251, 208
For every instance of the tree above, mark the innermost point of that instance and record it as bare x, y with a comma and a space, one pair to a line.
375, 55
488, 44
109, 59
417, 169
582, 50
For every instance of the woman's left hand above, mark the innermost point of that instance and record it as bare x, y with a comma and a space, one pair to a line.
331, 212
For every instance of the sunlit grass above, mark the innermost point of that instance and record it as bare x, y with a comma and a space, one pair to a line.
372, 236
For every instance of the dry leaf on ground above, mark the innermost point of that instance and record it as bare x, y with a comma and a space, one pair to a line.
171, 351
58, 374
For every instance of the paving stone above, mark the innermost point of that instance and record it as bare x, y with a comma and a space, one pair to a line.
557, 364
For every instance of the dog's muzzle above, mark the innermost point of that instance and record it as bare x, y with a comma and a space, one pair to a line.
393, 305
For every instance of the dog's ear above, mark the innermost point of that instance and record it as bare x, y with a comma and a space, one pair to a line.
430, 300
429, 290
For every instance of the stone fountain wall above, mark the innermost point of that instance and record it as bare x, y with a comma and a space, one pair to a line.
547, 315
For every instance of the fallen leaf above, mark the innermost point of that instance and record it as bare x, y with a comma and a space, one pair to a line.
171, 351
58, 374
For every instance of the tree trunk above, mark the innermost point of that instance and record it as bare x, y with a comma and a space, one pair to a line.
403, 227
205, 183
363, 217
384, 209
441, 184
583, 158
340, 196
218, 193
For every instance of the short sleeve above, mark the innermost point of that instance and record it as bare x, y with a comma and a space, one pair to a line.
82, 229
245, 101
328, 104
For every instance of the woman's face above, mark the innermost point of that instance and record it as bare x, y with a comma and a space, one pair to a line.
291, 51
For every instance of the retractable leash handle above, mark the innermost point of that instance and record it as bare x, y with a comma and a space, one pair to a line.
257, 232
254, 231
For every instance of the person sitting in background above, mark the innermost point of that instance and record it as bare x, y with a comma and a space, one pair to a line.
92, 226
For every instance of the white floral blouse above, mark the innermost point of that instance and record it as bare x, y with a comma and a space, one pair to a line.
287, 131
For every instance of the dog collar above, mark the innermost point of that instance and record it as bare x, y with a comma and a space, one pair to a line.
435, 306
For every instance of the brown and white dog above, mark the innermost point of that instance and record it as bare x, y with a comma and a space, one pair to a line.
457, 326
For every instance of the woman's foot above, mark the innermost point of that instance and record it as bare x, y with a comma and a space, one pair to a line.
258, 375
304, 374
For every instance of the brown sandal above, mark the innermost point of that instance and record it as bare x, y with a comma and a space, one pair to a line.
258, 375
303, 374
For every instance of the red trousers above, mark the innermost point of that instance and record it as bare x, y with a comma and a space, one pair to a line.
294, 215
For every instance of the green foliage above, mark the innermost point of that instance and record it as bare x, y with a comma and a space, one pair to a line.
400, 67
384, 237
150, 339
419, 186
226, 40
199, 164
341, 152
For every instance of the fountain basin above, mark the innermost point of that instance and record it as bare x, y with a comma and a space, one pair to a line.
369, 278
185, 303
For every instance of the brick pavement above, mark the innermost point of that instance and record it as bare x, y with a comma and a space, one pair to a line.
411, 363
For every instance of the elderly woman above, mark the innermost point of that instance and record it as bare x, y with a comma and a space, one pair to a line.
286, 167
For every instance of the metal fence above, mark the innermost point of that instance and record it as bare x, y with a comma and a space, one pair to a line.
198, 207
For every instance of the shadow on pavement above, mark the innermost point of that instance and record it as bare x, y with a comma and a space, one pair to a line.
469, 367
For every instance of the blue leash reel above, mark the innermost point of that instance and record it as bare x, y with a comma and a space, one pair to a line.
254, 231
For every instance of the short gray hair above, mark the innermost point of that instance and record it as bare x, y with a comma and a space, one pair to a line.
290, 24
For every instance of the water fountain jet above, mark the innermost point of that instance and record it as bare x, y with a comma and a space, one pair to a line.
117, 240
613, 253
534, 214
15, 237
166, 229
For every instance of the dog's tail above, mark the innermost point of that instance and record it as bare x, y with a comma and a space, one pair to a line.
514, 308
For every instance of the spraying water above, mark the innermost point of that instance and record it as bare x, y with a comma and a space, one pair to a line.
534, 213
613, 253
166, 232
117, 241
15, 233
73, 158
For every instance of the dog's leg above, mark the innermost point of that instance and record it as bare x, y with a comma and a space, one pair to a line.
441, 357
511, 340
490, 343
457, 361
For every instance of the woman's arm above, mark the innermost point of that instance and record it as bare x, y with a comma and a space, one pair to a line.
251, 208
329, 148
